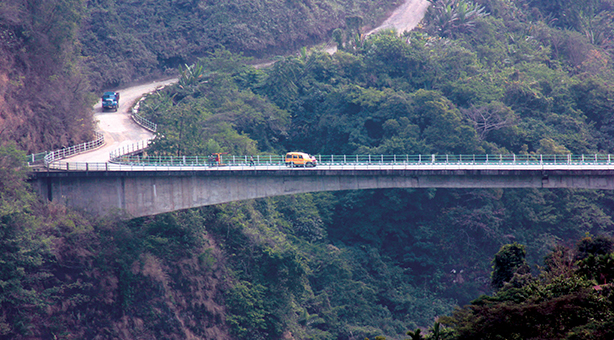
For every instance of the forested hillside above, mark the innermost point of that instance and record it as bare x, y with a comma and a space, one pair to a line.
490, 76
484, 77
126, 40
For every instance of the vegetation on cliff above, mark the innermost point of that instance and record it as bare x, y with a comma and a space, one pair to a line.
44, 98
572, 298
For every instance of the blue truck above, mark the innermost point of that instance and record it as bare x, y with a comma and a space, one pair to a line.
110, 101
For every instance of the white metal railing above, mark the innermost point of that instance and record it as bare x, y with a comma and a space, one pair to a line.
54, 156
36, 158
126, 155
142, 121
128, 150
75, 149
123, 159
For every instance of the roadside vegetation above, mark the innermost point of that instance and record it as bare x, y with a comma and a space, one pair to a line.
477, 77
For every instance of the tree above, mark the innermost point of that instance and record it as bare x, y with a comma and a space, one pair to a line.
14, 193
450, 17
354, 23
494, 116
562, 304
415, 335
510, 260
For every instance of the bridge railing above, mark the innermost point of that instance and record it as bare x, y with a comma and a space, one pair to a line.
56, 155
36, 158
128, 152
142, 121
127, 162
126, 156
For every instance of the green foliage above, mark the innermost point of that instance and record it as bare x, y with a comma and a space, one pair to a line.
247, 310
450, 17
565, 305
191, 75
209, 112
500, 84
124, 41
321, 291
361, 264
415, 335
14, 194
508, 262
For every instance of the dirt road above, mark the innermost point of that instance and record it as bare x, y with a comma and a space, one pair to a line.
406, 17
119, 129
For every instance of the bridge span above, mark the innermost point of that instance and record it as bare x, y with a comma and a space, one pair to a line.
140, 188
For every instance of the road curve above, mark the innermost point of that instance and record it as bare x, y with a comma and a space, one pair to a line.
118, 127
405, 17
120, 130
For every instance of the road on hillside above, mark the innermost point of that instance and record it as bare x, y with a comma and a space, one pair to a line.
404, 18
120, 130
118, 127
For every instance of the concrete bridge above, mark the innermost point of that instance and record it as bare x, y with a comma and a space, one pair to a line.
142, 189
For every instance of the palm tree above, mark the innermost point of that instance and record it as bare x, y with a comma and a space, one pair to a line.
192, 75
415, 335
448, 17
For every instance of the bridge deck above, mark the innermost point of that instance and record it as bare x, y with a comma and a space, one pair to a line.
141, 188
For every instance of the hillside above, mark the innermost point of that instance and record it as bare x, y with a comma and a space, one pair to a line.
44, 97
123, 41
489, 76
485, 77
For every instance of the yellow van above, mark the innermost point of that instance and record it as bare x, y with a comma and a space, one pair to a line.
300, 159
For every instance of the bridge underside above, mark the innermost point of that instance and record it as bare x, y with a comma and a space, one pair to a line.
150, 193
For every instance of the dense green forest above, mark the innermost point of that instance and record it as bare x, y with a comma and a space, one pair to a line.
490, 76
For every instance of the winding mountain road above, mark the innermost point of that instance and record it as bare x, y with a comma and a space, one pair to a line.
405, 17
118, 127
120, 130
